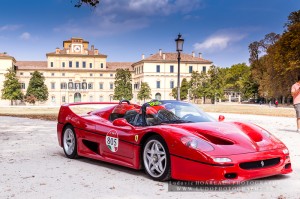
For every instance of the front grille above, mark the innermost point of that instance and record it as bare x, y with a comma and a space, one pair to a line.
260, 164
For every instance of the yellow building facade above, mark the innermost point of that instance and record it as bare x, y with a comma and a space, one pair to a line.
80, 73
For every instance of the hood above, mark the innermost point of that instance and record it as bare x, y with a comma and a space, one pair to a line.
229, 138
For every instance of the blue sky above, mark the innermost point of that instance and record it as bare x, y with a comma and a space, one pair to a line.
125, 29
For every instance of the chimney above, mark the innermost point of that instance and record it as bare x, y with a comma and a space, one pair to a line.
164, 56
143, 56
160, 51
57, 50
200, 55
92, 47
193, 54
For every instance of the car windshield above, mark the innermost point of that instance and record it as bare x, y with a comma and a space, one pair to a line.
178, 112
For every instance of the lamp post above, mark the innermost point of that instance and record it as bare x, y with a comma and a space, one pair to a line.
179, 47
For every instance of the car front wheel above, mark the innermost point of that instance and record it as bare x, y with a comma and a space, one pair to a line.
70, 142
156, 158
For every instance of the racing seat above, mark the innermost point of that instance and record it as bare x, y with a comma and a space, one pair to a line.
119, 111
130, 116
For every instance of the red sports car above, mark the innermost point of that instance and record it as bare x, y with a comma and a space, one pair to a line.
172, 139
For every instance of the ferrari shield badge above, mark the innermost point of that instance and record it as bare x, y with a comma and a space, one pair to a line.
112, 140
136, 138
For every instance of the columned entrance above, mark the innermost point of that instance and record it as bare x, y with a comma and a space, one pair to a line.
77, 97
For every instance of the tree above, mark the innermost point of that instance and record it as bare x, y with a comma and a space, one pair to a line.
275, 60
92, 3
184, 89
215, 83
185, 85
11, 87
123, 86
145, 92
293, 18
37, 90
196, 84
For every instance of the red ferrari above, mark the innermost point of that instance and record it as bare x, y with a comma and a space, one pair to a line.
172, 139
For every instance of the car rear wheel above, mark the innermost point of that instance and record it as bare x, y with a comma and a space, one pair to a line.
156, 158
70, 142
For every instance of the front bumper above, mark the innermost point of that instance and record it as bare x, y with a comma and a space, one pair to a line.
190, 170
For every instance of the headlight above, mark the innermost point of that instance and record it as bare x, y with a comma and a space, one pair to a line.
222, 160
197, 143
285, 151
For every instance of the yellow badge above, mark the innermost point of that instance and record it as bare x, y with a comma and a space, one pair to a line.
136, 138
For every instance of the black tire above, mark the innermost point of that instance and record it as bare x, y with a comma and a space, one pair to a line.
156, 158
69, 141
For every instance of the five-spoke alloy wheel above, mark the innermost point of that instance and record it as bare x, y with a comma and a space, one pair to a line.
70, 142
156, 158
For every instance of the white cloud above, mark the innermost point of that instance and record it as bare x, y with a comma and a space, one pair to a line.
9, 27
219, 41
113, 17
25, 36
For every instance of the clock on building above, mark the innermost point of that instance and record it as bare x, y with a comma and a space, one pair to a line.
76, 48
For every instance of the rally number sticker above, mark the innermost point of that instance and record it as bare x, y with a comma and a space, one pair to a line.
112, 140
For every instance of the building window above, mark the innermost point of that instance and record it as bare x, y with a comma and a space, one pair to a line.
101, 65
70, 85
52, 74
91, 74
22, 85
63, 99
77, 86
77, 64
70, 64
83, 64
111, 75
63, 85
91, 98
158, 68
158, 96
204, 69
101, 74
52, 85
63, 64
63, 74
171, 69
51, 64
31, 73
21, 73
111, 86
91, 65
172, 84
190, 69
84, 85
100, 85
101, 99
90, 85
53, 99
157, 84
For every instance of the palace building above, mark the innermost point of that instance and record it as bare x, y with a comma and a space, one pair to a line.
80, 73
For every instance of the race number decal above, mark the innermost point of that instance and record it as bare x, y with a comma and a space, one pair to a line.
112, 140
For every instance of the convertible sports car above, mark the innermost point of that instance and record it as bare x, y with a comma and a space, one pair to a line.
172, 139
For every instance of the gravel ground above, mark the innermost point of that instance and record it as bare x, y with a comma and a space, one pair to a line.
32, 165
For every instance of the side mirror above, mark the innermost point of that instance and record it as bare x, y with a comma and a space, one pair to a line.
121, 122
221, 118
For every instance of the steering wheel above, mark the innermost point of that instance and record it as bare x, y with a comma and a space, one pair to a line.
121, 101
187, 116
